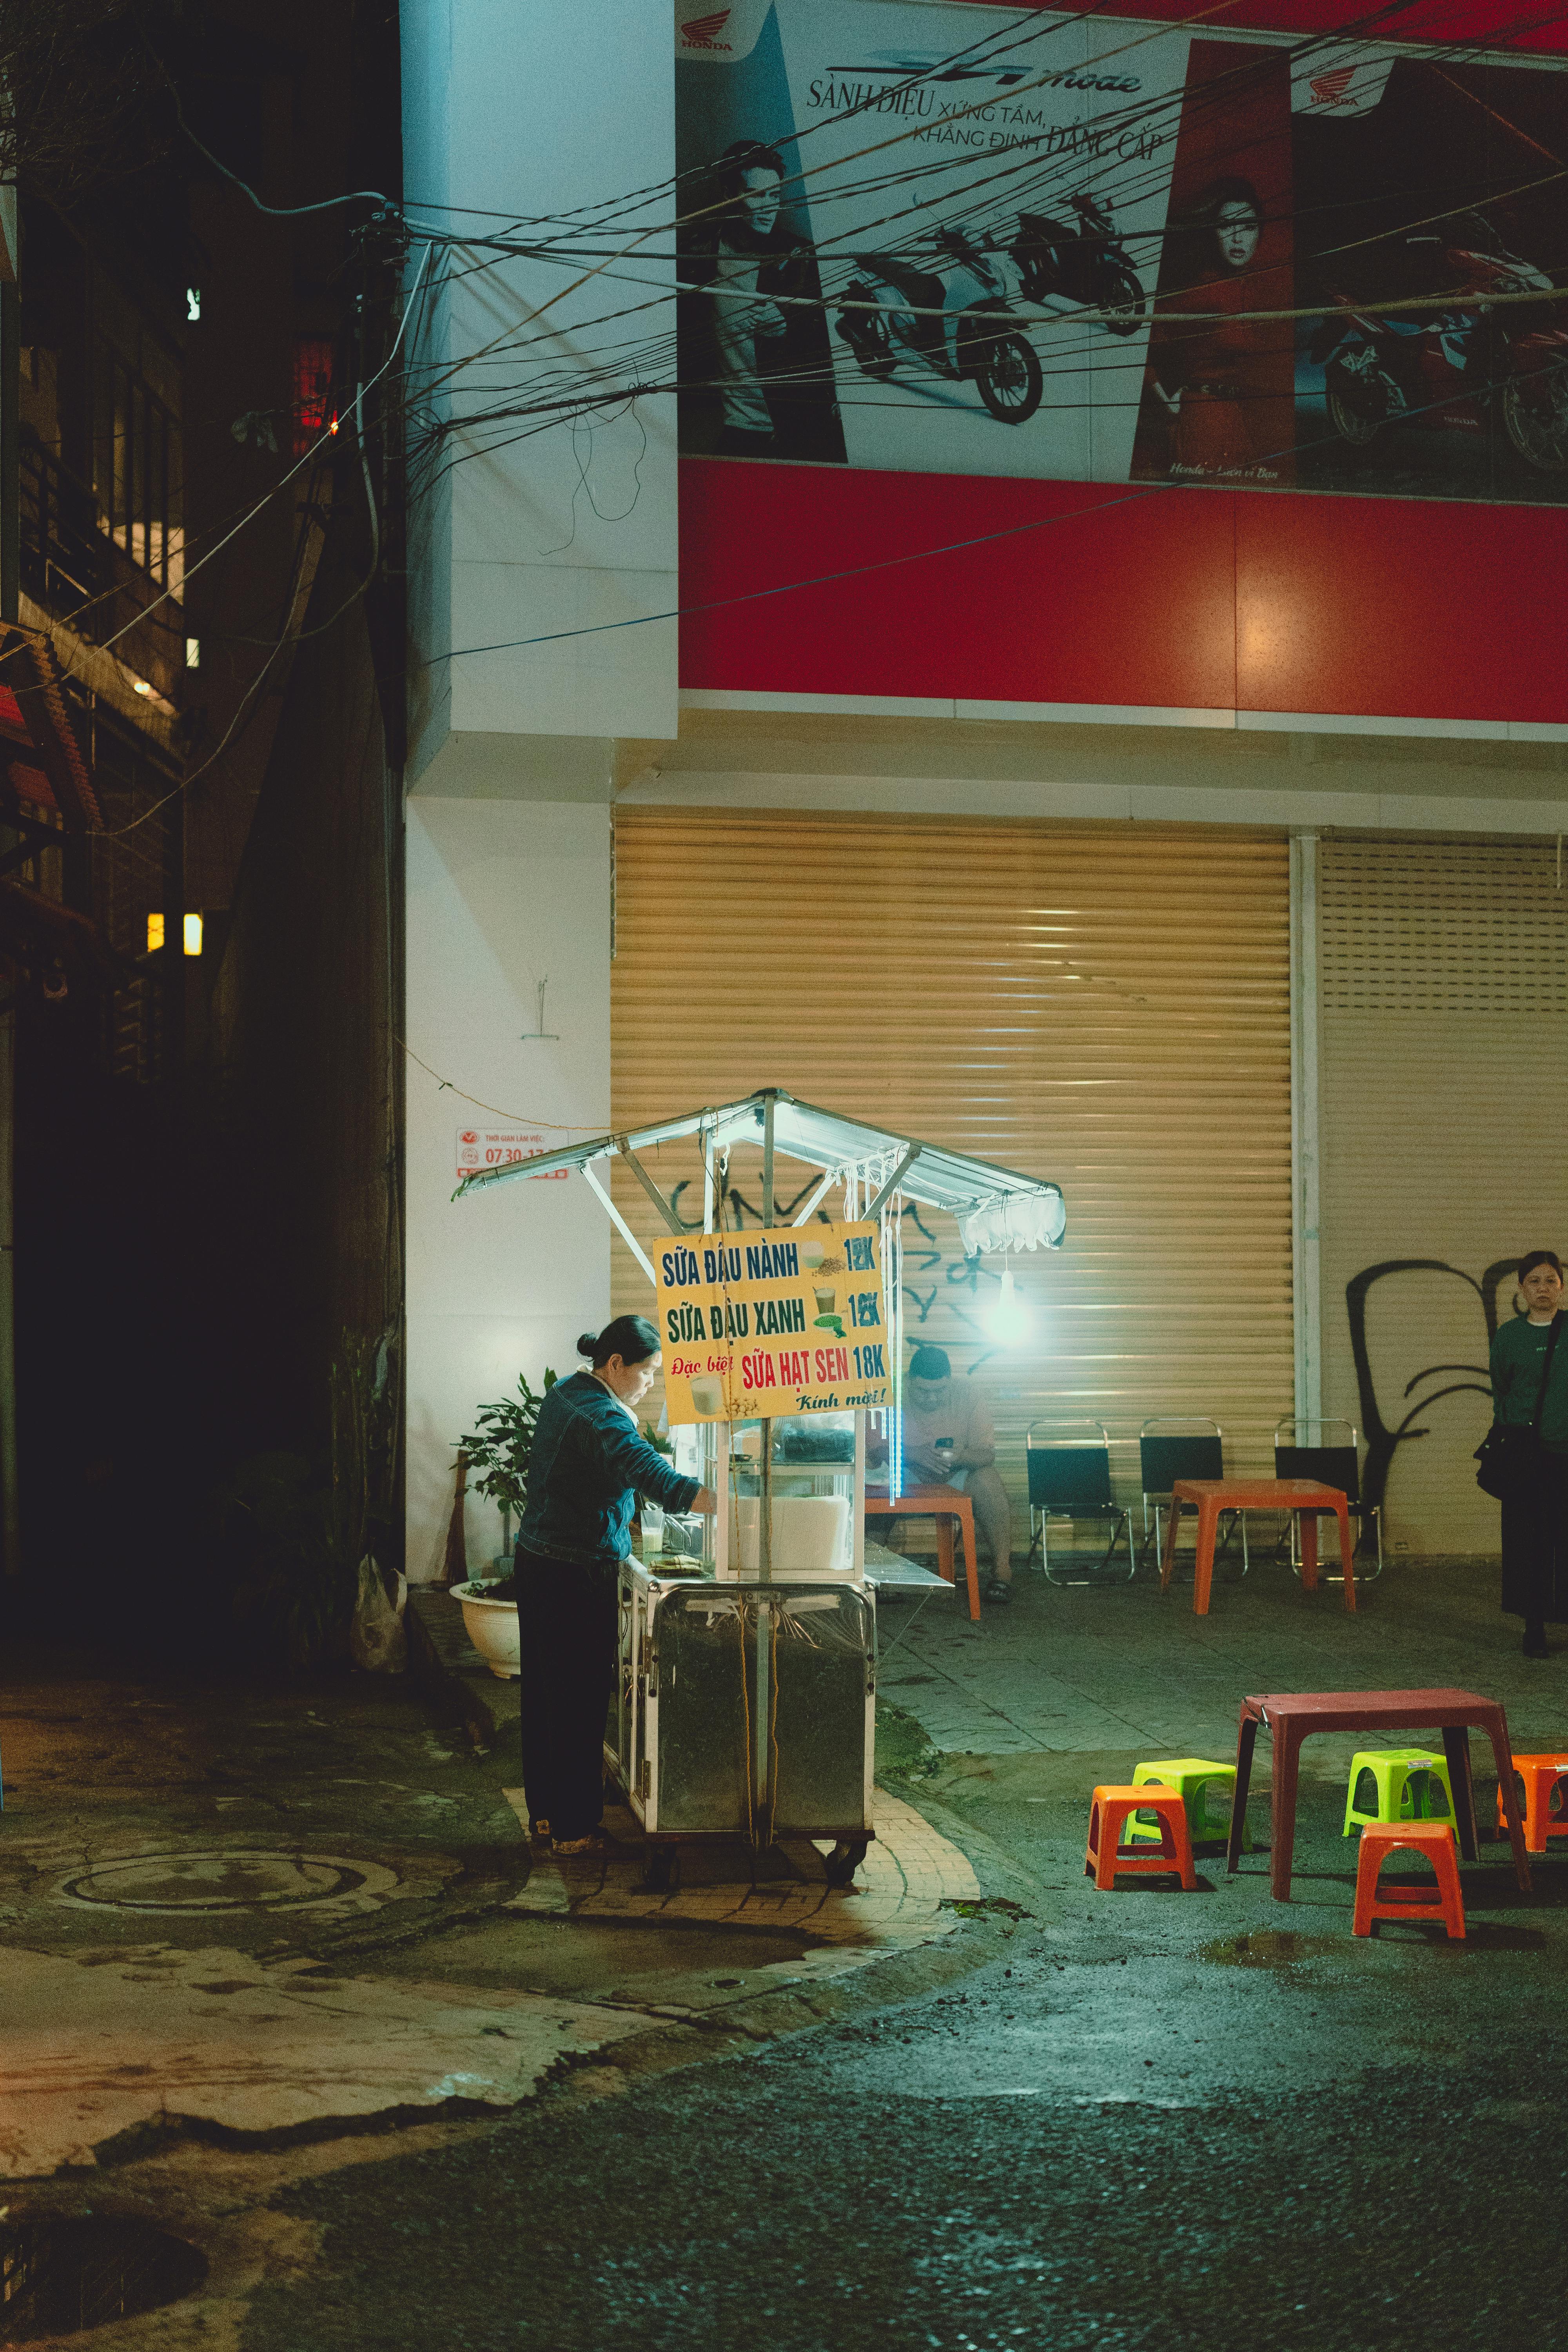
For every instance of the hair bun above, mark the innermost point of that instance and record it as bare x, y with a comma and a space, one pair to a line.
587, 1343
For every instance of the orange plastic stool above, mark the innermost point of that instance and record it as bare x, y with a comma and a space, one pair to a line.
1110, 1807
1535, 1777
1433, 1839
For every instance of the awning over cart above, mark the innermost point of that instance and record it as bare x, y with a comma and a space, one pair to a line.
997, 1208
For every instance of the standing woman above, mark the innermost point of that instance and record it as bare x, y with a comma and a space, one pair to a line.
589, 1462
1224, 378
1535, 1521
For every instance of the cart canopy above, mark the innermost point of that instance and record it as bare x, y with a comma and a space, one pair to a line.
996, 1208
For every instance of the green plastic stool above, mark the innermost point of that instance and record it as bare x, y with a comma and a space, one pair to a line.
1397, 1784
1207, 1809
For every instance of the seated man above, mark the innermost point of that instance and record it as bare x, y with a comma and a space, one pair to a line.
949, 1441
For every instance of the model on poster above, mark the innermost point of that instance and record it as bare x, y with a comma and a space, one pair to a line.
767, 361
1219, 377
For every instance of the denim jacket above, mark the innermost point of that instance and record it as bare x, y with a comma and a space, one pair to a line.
587, 1462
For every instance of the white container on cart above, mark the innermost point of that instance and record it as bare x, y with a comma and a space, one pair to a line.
811, 1537
818, 1476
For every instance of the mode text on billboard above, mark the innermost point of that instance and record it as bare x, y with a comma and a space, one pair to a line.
942, 240
775, 1323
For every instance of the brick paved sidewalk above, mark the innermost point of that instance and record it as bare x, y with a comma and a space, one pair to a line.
1123, 1666
902, 1894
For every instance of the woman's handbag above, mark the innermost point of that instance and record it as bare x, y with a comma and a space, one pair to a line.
1511, 1456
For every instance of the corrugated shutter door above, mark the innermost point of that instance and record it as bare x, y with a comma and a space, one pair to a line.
1109, 1007
1444, 978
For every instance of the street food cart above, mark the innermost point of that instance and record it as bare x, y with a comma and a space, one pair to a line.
746, 1697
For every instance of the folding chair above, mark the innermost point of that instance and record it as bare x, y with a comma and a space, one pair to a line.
1335, 1459
1069, 1478
1182, 1446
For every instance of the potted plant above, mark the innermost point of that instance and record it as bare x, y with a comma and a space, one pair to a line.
498, 1448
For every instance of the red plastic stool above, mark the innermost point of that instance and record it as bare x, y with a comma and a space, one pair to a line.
1110, 1807
1433, 1839
1535, 1777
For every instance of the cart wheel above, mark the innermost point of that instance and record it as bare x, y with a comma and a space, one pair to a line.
661, 1870
841, 1864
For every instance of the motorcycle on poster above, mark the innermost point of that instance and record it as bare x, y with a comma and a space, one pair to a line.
1459, 367
945, 318
951, 311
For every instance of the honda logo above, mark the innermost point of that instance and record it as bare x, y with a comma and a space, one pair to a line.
703, 32
1332, 89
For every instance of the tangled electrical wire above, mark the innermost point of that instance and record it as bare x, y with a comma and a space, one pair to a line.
542, 371
538, 353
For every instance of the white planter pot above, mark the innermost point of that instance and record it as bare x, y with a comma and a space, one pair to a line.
491, 1627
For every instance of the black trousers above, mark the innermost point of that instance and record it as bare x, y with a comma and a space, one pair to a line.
1535, 1548
566, 1626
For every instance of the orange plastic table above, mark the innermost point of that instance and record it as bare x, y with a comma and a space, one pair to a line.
942, 1503
1291, 1716
1210, 1496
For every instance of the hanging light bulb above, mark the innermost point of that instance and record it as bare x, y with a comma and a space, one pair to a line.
1008, 1321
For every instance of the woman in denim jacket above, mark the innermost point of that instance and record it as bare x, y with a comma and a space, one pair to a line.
587, 1465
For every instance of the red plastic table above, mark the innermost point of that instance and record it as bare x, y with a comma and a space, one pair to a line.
942, 1503
1210, 1496
1291, 1716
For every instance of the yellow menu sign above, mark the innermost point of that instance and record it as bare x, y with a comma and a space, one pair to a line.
773, 1323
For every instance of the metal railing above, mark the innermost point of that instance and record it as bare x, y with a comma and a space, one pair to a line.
75, 570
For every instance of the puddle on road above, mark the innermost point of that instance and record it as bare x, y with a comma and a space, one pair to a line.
58, 2277
586, 1959
1269, 1948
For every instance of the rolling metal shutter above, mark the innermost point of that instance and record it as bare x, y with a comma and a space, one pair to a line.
1106, 1006
1444, 988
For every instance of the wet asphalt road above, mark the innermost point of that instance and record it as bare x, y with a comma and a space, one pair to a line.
1146, 2120
884, 2185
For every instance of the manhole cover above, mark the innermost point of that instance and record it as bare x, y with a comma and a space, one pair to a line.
241, 1880
60, 2277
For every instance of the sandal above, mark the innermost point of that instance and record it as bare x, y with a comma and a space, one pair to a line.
597, 1842
996, 1591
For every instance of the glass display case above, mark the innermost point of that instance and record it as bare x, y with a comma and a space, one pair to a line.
815, 1476
811, 1482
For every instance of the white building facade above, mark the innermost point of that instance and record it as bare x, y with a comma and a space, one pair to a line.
1258, 982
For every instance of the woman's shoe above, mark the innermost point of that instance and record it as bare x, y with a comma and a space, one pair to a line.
998, 1590
597, 1842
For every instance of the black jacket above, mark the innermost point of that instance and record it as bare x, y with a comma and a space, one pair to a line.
586, 1466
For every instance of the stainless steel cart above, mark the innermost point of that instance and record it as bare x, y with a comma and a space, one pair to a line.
683, 1741
702, 1752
